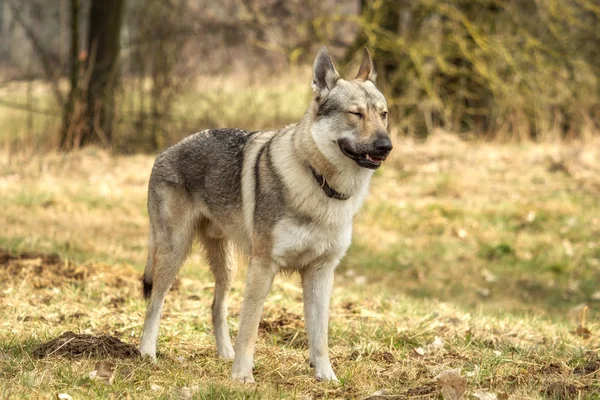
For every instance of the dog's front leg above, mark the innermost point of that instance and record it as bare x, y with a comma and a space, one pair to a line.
317, 283
258, 283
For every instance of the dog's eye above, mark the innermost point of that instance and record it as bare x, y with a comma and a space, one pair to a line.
384, 115
359, 115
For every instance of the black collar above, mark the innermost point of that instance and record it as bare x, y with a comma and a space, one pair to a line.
329, 191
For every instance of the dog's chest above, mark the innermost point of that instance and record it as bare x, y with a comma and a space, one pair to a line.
297, 244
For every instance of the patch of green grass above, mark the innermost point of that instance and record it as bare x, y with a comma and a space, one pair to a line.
497, 251
28, 199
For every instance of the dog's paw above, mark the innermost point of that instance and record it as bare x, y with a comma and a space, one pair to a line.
241, 371
242, 378
326, 375
151, 355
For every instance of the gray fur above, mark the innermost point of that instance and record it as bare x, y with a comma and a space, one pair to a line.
201, 162
256, 191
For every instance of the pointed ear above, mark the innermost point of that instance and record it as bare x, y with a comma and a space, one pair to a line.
324, 74
366, 71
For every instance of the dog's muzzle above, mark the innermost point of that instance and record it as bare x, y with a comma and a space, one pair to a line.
370, 158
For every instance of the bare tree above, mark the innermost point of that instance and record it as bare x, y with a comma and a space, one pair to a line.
103, 49
69, 108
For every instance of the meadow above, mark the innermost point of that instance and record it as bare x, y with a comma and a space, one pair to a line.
475, 260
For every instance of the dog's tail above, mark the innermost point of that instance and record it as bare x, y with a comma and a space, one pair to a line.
149, 270
147, 282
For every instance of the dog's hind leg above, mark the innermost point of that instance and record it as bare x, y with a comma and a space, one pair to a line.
221, 258
171, 239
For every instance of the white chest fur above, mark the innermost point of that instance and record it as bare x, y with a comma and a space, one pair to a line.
296, 244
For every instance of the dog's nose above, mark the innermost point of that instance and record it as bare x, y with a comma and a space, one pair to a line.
383, 145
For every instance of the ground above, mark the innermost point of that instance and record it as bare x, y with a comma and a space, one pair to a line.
467, 255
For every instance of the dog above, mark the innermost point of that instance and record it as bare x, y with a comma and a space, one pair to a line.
286, 198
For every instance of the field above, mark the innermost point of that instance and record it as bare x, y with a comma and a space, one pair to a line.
471, 256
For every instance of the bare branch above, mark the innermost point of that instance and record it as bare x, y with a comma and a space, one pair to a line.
51, 71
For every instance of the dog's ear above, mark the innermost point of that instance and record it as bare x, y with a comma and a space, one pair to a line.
366, 71
324, 74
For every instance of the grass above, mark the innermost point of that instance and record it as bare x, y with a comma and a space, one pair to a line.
492, 249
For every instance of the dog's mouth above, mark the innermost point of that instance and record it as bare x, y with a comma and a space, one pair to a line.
365, 160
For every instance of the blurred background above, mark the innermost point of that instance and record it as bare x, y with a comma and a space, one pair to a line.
138, 75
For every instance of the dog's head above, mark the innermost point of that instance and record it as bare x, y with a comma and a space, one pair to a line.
350, 117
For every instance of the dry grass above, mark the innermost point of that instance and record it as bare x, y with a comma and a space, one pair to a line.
492, 249
31, 119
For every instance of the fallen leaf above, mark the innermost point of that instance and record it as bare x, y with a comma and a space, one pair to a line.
155, 388
582, 316
64, 396
103, 370
583, 332
420, 351
488, 276
453, 386
437, 344
185, 393
484, 395
568, 248
473, 373
360, 280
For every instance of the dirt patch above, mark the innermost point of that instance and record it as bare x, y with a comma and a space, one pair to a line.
49, 270
284, 320
40, 270
384, 357
591, 364
288, 327
560, 390
381, 356
552, 369
72, 345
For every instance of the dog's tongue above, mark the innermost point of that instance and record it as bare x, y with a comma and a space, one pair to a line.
372, 159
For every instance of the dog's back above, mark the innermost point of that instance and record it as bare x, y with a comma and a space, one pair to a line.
201, 163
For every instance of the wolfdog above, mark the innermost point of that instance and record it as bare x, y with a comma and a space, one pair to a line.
285, 198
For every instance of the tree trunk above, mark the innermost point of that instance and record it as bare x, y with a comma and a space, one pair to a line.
1, 17
4, 39
68, 128
103, 67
